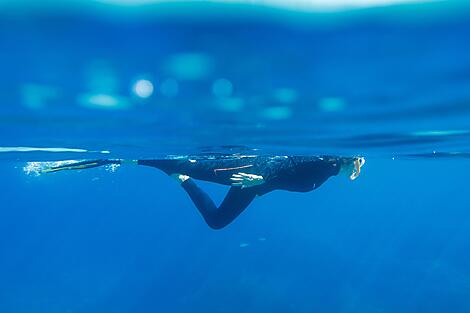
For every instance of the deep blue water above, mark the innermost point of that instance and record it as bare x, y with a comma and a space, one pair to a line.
391, 84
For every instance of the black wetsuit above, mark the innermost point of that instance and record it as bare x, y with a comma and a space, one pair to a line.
292, 173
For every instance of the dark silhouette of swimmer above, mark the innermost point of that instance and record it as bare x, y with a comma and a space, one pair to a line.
247, 176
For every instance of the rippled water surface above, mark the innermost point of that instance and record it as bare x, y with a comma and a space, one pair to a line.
374, 81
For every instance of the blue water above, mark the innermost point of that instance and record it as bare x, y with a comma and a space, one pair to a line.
391, 84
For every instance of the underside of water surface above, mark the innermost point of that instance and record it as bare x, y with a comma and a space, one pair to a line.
165, 77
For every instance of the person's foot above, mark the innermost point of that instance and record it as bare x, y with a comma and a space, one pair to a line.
180, 178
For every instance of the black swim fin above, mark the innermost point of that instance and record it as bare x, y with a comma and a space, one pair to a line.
80, 165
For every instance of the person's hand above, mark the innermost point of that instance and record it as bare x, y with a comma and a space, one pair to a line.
180, 178
245, 180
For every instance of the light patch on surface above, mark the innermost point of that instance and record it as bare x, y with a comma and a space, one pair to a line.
285, 95
169, 88
189, 66
261, 239
36, 149
222, 88
143, 88
277, 113
112, 167
103, 101
244, 245
298, 5
231, 104
36, 168
331, 104
35, 96
131, 2
438, 133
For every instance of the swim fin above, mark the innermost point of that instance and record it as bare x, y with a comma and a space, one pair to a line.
80, 165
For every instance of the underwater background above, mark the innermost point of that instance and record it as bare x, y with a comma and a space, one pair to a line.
145, 79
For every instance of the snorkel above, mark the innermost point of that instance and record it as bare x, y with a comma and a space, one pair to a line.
352, 167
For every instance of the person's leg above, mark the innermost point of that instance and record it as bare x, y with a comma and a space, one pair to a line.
235, 202
216, 171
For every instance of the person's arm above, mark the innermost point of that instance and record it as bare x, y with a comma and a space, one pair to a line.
235, 202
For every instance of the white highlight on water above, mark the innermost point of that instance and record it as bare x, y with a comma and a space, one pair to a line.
300, 5
103, 101
37, 149
143, 88
112, 167
437, 133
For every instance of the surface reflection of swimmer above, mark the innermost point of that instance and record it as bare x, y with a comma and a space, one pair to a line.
248, 176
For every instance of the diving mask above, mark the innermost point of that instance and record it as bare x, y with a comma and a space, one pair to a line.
356, 171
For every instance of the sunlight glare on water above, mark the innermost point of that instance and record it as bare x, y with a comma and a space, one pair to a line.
291, 4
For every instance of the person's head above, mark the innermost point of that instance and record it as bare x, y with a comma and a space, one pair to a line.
352, 166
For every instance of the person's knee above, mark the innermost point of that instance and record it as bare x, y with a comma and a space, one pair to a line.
217, 222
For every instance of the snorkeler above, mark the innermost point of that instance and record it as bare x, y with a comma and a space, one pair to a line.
248, 176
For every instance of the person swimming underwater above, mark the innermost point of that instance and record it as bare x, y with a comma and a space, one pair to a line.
247, 176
